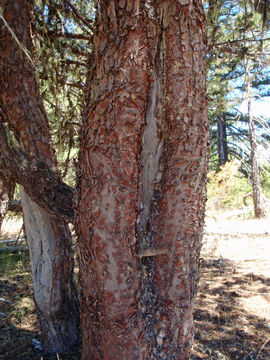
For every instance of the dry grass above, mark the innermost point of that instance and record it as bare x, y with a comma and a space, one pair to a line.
232, 317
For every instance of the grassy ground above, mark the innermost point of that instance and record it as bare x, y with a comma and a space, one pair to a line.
232, 316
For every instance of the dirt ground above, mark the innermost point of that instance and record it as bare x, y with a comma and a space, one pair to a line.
232, 315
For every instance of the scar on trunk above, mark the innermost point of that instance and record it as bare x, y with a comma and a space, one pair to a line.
153, 252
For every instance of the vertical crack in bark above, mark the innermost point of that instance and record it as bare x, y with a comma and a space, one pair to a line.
151, 174
150, 156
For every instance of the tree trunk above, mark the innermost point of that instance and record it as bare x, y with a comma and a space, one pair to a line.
141, 178
48, 237
222, 140
52, 268
258, 201
259, 206
6, 195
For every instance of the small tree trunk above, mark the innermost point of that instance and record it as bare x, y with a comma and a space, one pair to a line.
258, 201
222, 140
141, 177
259, 206
6, 195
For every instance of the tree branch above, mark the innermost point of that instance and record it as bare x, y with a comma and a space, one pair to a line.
74, 62
78, 52
240, 41
79, 16
68, 35
76, 85
41, 184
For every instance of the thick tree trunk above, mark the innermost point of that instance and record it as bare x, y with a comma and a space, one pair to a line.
141, 179
6, 195
258, 201
222, 140
48, 237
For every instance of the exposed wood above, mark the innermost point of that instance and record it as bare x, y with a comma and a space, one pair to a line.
51, 256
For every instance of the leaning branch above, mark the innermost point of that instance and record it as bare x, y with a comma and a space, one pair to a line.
76, 85
79, 16
240, 41
41, 184
68, 35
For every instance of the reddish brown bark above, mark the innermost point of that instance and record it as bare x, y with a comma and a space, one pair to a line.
48, 236
141, 179
20, 100
43, 185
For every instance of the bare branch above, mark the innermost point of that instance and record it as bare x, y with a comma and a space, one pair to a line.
79, 16
69, 35
22, 47
240, 41
78, 52
76, 85
73, 62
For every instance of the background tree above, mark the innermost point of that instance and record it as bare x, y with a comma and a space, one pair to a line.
259, 206
237, 34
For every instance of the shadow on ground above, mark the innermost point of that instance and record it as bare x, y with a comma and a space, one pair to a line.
17, 344
18, 319
232, 317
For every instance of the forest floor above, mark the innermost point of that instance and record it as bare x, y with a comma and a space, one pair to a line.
232, 315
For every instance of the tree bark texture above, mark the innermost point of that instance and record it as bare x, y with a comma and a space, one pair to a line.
41, 183
6, 195
258, 201
48, 236
141, 180
222, 140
